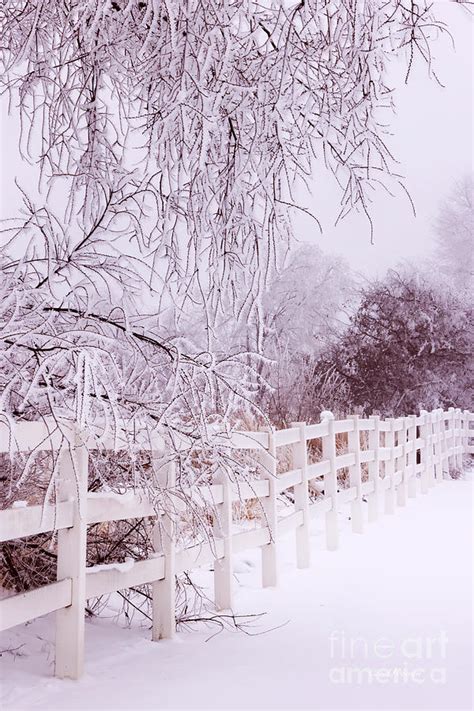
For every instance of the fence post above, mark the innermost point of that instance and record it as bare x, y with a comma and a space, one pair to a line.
223, 574
465, 432
402, 488
71, 560
451, 444
330, 482
269, 551
355, 477
411, 464
431, 456
459, 438
438, 465
447, 433
453, 438
390, 468
164, 591
300, 461
374, 468
425, 452
432, 438
444, 448
397, 435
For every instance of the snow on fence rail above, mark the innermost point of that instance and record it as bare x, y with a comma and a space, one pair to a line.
401, 454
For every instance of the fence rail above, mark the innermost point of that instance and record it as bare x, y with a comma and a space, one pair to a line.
404, 456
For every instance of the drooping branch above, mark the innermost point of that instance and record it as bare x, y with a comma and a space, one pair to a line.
209, 121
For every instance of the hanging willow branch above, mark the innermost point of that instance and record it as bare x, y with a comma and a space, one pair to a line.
186, 127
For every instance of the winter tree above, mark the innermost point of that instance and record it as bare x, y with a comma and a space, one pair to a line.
304, 310
454, 252
408, 346
170, 140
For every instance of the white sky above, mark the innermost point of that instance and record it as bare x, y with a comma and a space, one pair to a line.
432, 140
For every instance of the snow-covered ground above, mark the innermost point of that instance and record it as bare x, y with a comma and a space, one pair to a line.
383, 623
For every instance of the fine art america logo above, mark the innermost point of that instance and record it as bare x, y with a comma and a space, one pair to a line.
411, 660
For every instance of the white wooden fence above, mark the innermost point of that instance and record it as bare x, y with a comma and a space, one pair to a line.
404, 456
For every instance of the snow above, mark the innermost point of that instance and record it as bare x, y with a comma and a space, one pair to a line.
122, 497
394, 603
121, 567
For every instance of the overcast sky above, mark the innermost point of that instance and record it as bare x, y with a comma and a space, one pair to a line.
432, 140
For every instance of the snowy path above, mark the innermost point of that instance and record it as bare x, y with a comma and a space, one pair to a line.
400, 594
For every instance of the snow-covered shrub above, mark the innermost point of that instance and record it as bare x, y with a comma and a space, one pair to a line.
408, 346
